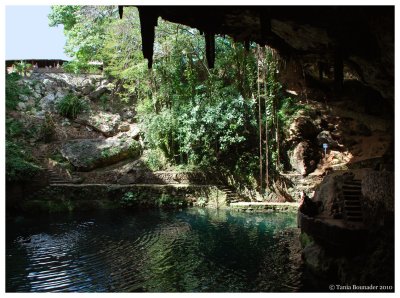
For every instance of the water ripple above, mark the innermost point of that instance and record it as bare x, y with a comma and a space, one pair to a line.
188, 251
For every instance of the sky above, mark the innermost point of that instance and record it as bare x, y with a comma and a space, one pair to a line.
28, 35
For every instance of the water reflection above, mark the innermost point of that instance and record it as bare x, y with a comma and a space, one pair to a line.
194, 250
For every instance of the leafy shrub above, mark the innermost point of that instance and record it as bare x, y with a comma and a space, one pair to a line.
78, 67
22, 67
70, 106
130, 199
156, 160
14, 128
13, 90
166, 200
18, 165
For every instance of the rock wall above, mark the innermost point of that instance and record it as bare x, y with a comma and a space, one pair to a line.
378, 192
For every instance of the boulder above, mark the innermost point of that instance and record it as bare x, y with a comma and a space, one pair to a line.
304, 158
23, 97
38, 89
127, 115
134, 130
47, 103
104, 122
36, 94
124, 127
98, 92
88, 154
60, 94
303, 128
21, 106
40, 114
87, 89
49, 85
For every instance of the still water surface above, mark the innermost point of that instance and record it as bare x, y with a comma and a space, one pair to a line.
194, 250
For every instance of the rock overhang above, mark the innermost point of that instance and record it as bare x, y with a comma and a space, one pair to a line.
360, 37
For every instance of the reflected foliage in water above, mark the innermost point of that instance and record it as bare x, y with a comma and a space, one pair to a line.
195, 250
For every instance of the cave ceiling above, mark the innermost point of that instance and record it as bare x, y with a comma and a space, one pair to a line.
361, 37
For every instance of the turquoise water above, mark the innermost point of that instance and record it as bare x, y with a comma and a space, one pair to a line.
193, 250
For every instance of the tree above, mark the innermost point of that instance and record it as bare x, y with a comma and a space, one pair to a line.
84, 27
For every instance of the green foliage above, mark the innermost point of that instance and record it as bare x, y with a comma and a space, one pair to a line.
130, 199
14, 128
63, 15
22, 67
71, 105
192, 116
19, 166
13, 90
109, 152
84, 27
155, 159
134, 148
79, 67
166, 200
288, 109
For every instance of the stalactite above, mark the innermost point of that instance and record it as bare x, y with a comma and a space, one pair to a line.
148, 21
210, 48
120, 11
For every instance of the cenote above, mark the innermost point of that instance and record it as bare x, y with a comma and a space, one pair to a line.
192, 250
201, 149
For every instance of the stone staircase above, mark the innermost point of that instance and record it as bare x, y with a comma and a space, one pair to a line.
53, 178
351, 194
231, 194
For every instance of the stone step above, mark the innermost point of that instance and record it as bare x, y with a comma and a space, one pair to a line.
348, 186
354, 218
353, 200
352, 204
352, 207
353, 183
351, 190
352, 197
353, 213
